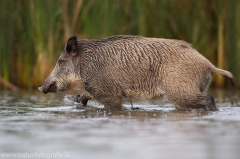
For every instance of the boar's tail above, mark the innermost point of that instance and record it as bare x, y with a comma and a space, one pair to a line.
224, 72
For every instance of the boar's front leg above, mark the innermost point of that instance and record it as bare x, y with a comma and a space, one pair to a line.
111, 102
108, 99
82, 99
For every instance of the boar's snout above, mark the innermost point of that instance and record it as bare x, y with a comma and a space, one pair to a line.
48, 87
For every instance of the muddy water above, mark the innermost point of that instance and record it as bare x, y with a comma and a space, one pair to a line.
50, 126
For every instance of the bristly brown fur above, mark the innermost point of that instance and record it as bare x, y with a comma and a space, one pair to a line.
119, 67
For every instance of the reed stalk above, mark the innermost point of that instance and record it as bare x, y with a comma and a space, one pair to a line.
34, 34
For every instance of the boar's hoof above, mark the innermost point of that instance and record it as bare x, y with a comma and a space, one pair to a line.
82, 99
135, 108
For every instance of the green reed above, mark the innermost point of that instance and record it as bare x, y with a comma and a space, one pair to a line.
34, 32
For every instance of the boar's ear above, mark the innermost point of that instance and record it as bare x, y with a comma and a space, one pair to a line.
72, 45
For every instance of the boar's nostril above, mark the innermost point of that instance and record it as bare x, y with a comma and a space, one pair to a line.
52, 87
45, 88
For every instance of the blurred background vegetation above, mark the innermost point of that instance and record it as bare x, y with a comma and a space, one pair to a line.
34, 32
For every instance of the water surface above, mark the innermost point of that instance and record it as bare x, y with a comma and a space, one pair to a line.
38, 124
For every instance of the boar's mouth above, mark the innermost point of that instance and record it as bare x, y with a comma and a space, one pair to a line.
45, 88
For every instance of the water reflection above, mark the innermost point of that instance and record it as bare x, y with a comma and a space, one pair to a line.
48, 124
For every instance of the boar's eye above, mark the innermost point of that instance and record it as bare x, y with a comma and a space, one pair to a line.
61, 62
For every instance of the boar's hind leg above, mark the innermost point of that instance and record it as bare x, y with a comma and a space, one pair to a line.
111, 103
192, 101
209, 103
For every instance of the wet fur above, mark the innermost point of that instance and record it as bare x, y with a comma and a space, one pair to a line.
125, 67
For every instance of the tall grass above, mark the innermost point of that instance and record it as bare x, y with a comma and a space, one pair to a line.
34, 32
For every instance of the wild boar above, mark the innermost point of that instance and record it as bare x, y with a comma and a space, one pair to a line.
124, 67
